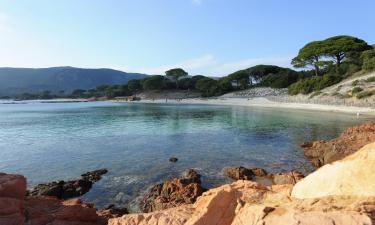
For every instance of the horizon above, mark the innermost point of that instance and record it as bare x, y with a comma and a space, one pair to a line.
213, 38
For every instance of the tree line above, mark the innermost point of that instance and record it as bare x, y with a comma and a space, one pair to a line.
320, 63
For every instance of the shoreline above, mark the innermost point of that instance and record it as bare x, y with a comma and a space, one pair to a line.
265, 103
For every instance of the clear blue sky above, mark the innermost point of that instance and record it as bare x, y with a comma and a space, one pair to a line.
211, 37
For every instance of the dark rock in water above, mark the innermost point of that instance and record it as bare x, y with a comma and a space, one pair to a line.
112, 211
239, 173
174, 192
259, 172
173, 159
68, 189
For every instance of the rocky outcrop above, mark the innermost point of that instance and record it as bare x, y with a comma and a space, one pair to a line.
242, 173
68, 189
354, 138
52, 211
248, 203
352, 176
174, 192
12, 193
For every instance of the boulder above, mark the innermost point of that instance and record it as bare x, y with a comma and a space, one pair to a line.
12, 192
242, 173
287, 178
68, 189
239, 173
112, 211
43, 210
352, 176
174, 192
249, 203
352, 139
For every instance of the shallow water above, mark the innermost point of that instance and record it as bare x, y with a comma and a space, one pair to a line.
54, 141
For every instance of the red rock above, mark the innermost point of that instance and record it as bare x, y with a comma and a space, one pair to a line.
12, 192
352, 139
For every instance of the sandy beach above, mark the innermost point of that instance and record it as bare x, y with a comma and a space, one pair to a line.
264, 102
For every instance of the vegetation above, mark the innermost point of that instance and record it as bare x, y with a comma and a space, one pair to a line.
327, 62
365, 94
332, 59
356, 90
370, 79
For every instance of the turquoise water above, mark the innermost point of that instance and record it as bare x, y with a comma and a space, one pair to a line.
56, 141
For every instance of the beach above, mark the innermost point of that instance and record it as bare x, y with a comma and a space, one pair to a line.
264, 102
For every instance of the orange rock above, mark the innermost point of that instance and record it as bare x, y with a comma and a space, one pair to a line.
352, 139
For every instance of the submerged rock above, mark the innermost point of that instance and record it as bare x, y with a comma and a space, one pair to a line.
174, 192
68, 189
173, 159
352, 139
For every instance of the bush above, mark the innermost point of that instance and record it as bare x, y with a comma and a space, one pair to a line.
311, 84
370, 79
354, 83
365, 94
368, 58
356, 90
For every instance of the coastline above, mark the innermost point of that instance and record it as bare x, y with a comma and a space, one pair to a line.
265, 103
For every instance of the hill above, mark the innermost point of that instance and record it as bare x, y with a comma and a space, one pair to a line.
14, 81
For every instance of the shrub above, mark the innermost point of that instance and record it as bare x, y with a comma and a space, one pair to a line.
311, 84
354, 83
365, 94
370, 79
315, 94
368, 58
356, 90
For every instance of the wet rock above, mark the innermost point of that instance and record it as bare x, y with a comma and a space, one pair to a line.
173, 159
239, 173
174, 192
352, 139
259, 172
68, 189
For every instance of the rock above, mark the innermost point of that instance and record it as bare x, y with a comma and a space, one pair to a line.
68, 189
112, 211
354, 138
352, 176
242, 173
239, 173
174, 192
173, 159
259, 172
249, 203
43, 210
12, 192
287, 178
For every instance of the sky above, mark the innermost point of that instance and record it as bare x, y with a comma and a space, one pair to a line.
208, 37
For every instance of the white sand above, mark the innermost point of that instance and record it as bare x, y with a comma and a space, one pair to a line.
263, 102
